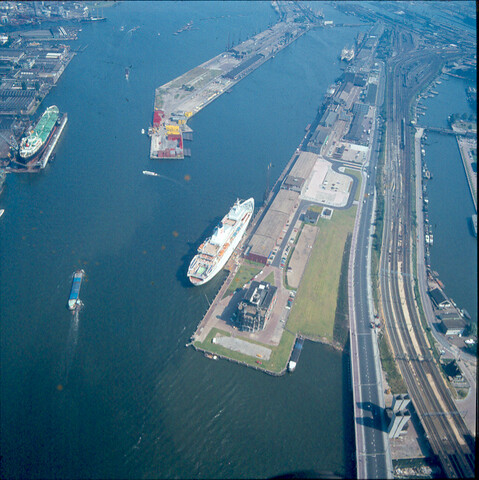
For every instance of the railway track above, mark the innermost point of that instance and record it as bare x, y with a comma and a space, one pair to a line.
448, 436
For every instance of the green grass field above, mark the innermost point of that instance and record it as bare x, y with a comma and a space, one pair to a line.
357, 174
277, 362
313, 311
393, 375
270, 279
245, 273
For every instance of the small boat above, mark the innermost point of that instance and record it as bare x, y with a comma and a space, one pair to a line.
153, 174
74, 301
142, 131
2, 211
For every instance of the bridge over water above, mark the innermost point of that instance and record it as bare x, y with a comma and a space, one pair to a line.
447, 131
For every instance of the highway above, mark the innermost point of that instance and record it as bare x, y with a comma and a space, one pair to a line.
445, 429
373, 458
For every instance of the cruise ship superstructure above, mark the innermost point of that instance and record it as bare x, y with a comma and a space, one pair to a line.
215, 251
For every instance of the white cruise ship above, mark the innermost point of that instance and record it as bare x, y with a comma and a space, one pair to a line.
215, 251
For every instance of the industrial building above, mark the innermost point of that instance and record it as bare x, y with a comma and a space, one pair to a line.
292, 183
440, 300
452, 323
371, 94
311, 216
14, 101
357, 132
319, 138
254, 310
268, 234
303, 165
329, 118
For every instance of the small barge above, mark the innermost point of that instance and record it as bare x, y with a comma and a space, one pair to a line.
73, 301
295, 354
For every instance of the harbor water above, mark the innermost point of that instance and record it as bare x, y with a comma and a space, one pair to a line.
112, 392
454, 252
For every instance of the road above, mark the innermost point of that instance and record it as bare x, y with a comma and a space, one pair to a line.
372, 444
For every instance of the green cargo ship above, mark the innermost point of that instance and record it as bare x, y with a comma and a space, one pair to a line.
38, 139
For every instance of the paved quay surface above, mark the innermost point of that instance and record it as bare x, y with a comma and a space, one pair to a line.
219, 314
181, 98
466, 145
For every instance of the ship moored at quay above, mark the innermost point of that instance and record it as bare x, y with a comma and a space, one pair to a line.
295, 354
215, 251
34, 144
36, 148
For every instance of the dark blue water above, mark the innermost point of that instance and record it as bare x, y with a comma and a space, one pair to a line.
454, 253
116, 394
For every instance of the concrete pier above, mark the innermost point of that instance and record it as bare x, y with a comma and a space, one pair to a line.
49, 150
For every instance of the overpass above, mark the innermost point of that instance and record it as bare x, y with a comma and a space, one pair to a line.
447, 131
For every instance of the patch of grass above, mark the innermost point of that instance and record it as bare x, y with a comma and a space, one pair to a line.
278, 359
313, 312
462, 392
341, 318
270, 278
393, 376
244, 274
378, 219
357, 174
316, 208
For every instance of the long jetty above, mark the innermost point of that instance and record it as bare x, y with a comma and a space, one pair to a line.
180, 99
56, 136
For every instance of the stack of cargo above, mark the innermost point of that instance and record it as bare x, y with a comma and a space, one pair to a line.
157, 117
177, 139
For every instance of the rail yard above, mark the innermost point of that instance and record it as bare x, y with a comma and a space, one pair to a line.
449, 437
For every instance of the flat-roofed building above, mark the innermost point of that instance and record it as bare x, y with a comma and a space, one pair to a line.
304, 164
269, 231
11, 55
440, 300
254, 310
452, 323
311, 216
319, 138
293, 183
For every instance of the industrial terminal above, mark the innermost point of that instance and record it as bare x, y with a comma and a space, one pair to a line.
186, 95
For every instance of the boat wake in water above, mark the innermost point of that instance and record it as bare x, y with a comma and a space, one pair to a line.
71, 346
154, 174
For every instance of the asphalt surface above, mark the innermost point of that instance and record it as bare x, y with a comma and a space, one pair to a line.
372, 448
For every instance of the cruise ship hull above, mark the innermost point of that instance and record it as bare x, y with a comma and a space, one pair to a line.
196, 271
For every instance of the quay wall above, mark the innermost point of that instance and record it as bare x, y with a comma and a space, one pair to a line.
239, 362
470, 180
56, 136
